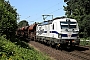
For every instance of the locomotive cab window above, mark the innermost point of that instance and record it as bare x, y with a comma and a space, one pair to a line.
65, 25
53, 27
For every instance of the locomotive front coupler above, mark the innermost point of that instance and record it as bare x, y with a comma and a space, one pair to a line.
69, 42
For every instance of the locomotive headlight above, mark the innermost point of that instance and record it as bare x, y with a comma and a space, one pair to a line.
59, 35
75, 31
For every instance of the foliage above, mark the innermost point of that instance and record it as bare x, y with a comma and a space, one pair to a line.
8, 19
79, 10
23, 23
85, 41
11, 51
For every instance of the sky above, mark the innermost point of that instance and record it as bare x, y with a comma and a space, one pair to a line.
32, 10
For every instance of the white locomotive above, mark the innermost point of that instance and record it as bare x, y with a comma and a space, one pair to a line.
59, 32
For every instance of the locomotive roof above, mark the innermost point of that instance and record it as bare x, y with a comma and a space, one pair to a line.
45, 22
65, 19
57, 18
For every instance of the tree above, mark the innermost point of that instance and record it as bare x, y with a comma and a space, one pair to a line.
8, 19
79, 10
23, 23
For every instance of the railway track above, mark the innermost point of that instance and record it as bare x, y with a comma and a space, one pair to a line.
62, 55
79, 54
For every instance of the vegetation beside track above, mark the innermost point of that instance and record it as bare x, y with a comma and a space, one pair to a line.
18, 51
85, 42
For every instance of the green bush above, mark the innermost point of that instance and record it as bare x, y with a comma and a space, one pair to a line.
10, 51
83, 42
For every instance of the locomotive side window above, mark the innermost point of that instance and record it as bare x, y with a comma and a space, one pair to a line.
53, 26
45, 27
39, 28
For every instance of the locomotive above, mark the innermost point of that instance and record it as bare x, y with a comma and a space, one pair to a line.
59, 32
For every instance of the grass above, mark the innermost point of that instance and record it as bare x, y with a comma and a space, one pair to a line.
16, 51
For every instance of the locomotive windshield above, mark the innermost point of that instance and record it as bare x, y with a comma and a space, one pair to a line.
65, 25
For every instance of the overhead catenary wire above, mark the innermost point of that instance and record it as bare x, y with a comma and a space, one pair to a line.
44, 10
52, 6
27, 17
49, 8
50, 13
55, 10
40, 16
